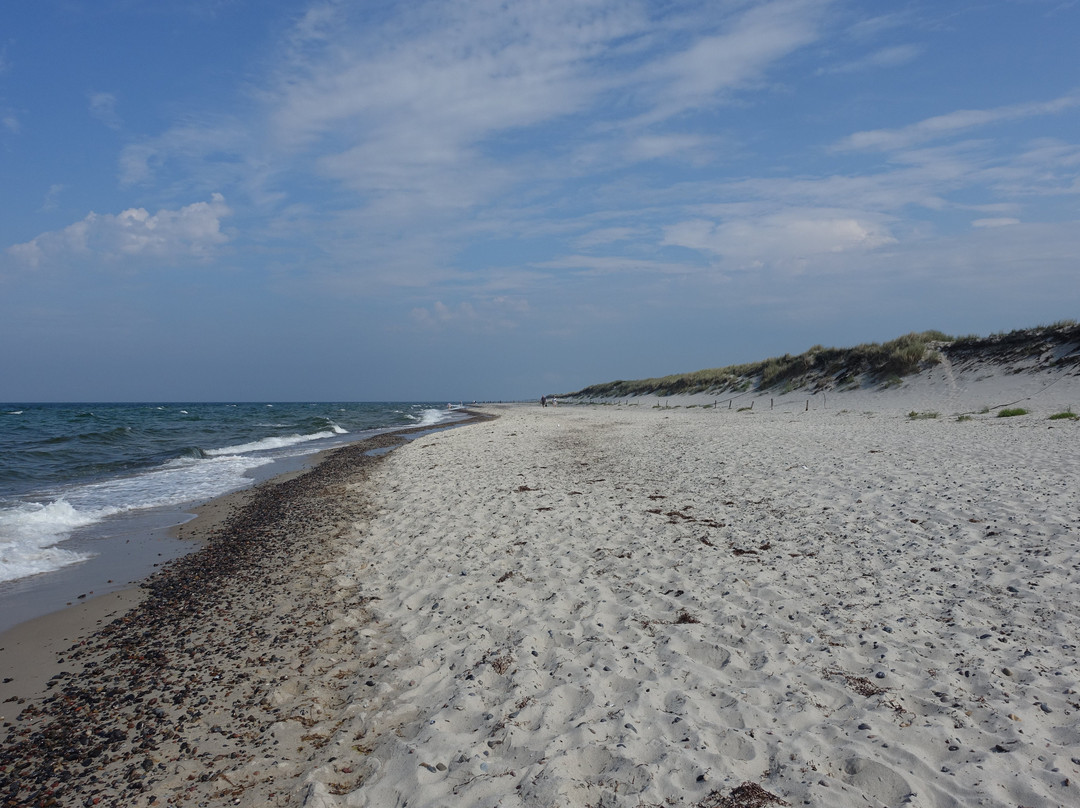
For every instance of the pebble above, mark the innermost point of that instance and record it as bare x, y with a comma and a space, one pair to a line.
864, 726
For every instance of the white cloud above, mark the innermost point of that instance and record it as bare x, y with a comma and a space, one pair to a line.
781, 236
50, 202
604, 236
11, 122
894, 56
190, 232
953, 122
497, 314
103, 107
212, 151
703, 74
693, 148
997, 222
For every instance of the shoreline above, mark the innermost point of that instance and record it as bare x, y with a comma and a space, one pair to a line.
29, 649
609, 606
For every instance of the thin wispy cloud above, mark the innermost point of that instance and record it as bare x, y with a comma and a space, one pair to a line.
890, 57
951, 123
103, 107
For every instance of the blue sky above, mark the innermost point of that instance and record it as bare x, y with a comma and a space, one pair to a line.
250, 200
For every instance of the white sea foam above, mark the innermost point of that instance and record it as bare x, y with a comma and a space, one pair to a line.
281, 442
29, 532
430, 417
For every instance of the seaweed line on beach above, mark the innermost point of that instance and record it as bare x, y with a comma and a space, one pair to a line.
164, 702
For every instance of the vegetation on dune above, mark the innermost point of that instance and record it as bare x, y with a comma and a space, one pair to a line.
883, 364
819, 367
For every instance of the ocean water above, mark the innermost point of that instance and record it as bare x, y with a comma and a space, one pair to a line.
68, 471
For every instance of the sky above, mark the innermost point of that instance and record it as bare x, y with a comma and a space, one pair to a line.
227, 200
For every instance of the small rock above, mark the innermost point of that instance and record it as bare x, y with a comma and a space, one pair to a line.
880, 674
440, 766
864, 726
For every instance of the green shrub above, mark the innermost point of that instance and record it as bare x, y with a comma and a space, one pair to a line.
1009, 412
1067, 415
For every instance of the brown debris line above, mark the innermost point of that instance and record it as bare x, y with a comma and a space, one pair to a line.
675, 517
860, 684
183, 678
748, 795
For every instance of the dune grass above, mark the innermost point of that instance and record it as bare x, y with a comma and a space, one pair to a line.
871, 364
1011, 412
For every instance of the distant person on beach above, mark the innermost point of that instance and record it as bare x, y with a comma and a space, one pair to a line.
543, 401
554, 401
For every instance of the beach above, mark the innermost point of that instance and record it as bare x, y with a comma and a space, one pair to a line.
836, 604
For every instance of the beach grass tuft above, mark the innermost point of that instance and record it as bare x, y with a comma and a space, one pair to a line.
1068, 415
921, 416
1010, 412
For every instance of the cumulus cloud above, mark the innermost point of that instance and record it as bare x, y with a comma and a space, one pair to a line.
193, 231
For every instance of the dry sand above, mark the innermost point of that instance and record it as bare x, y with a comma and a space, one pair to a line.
631, 606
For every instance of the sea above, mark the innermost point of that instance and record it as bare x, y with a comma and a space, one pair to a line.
88, 491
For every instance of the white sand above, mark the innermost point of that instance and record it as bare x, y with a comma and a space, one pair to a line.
625, 606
